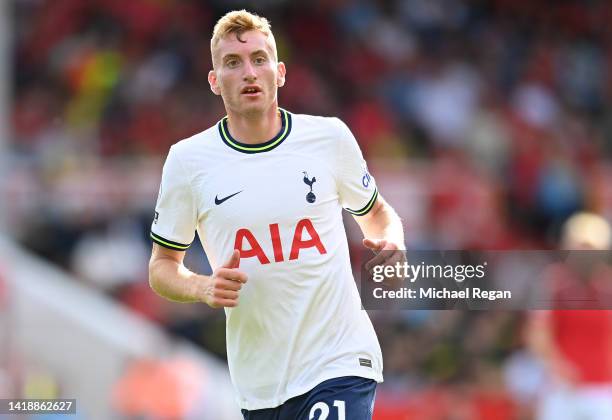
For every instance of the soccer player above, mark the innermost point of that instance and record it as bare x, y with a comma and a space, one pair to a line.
575, 346
265, 189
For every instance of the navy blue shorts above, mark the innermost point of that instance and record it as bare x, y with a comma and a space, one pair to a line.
345, 398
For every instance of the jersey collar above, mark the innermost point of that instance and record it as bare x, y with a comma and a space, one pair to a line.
259, 147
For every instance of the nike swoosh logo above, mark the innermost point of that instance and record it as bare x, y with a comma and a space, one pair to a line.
219, 201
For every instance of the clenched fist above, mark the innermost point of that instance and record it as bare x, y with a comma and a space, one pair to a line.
221, 290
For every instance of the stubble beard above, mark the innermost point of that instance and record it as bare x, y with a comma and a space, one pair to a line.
252, 110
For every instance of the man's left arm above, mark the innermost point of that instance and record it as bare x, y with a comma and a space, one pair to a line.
383, 231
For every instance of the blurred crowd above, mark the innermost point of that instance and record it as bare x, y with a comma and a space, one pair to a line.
489, 120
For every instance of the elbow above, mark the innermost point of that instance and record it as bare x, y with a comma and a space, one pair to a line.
154, 281
380, 207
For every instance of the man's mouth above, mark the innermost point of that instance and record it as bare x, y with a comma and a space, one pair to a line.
251, 90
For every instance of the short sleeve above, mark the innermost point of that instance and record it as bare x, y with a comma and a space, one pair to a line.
175, 219
356, 187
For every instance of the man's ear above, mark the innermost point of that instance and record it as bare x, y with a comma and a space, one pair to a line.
282, 71
212, 80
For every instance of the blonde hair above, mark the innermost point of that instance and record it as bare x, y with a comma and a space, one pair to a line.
586, 230
239, 21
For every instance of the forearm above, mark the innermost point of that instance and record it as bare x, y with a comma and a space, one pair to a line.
382, 223
173, 281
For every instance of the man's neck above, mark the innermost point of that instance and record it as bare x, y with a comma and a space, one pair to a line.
255, 128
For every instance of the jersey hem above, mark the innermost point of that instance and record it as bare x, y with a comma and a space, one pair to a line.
365, 210
306, 388
166, 243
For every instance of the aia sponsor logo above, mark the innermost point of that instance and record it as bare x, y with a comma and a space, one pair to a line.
304, 236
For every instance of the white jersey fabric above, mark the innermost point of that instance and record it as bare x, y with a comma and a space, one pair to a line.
299, 320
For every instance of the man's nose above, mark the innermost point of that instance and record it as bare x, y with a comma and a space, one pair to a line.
249, 72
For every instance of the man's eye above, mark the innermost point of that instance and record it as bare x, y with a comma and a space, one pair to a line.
231, 63
260, 60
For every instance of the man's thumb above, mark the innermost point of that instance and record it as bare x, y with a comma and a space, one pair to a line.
234, 260
374, 244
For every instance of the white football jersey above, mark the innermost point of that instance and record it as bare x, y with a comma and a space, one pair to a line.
299, 320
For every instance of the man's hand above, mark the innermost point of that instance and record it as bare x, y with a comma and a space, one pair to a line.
387, 253
221, 290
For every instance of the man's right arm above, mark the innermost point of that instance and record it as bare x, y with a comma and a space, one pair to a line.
170, 279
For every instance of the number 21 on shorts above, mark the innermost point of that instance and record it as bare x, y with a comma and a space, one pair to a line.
322, 409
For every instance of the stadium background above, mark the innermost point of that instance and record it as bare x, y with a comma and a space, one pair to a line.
486, 124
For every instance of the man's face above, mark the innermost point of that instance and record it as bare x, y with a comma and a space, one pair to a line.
246, 74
